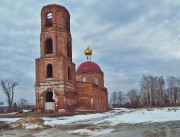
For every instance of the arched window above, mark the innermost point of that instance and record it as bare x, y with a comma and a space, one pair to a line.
96, 80
49, 20
49, 71
84, 79
48, 46
69, 73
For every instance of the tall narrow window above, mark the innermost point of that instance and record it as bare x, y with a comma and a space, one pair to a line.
68, 24
69, 49
49, 20
96, 80
69, 73
48, 46
49, 71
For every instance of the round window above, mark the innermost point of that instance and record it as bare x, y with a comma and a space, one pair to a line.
49, 15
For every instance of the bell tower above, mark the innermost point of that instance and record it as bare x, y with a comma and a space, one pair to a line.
55, 71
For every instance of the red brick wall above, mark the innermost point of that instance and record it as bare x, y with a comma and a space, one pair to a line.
60, 69
90, 77
92, 92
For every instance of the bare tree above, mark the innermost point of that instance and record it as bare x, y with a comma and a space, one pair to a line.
113, 99
173, 90
161, 91
145, 90
23, 103
134, 97
178, 90
8, 86
171, 85
152, 90
120, 98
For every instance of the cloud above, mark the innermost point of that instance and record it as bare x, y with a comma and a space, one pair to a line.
129, 39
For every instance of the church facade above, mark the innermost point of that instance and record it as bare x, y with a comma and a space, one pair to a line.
59, 86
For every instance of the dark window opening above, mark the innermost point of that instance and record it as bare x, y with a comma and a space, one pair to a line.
48, 46
49, 71
69, 73
68, 24
49, 19
49, 96
69, 53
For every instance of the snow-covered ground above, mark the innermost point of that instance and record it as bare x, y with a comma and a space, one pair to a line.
103, 123
145, 116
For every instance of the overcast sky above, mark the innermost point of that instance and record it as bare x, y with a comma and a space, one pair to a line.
129, 38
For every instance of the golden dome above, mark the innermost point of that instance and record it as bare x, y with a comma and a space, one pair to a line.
88, 51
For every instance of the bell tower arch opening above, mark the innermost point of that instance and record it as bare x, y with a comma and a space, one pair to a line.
49, 19
49, 71
48, 46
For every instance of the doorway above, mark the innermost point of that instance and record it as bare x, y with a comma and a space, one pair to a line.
49, 101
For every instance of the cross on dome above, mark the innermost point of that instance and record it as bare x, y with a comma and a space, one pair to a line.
88, 53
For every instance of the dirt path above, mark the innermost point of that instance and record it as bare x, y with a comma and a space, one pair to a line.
52, 132
165, 129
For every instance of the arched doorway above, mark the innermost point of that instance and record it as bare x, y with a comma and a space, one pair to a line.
49, 101
49, 96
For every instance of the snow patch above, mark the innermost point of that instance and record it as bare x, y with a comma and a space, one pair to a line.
26, 110
31, 126
71, 119
13, 113
29, 123
9, 120
144, 116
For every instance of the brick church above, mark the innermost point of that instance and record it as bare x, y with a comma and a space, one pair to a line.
60, 87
